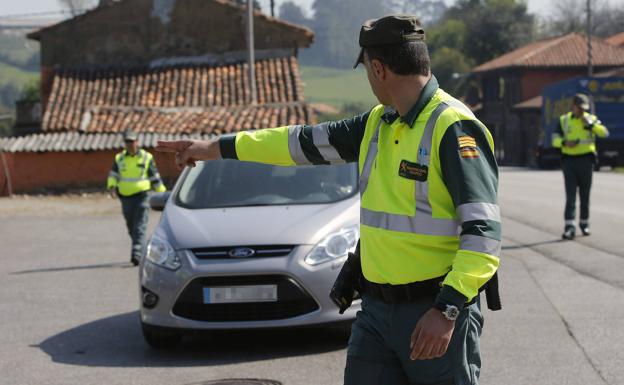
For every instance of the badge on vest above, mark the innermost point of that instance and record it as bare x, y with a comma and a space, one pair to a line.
413, 171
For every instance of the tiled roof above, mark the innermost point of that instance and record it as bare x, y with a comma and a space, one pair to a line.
99, 101
617, 39
154, 124
76, 141
563, 51
214, 120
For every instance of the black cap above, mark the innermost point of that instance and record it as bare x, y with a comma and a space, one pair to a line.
393, 29
130, 136
582, 101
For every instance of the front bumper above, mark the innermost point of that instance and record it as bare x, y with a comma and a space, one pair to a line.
303, 292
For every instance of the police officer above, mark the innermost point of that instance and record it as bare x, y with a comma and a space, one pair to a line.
133, 174
576, 137
430, 222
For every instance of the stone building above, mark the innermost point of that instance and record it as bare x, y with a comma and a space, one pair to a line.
165, 68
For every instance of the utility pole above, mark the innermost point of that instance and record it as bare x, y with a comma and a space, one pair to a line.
590, 69
251, 53
272, 8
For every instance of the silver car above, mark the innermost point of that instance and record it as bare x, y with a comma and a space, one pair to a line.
247, 245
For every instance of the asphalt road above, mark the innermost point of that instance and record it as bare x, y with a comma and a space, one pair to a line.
68, 301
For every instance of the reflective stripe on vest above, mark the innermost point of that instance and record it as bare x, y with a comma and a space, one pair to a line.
320, 138
422, 222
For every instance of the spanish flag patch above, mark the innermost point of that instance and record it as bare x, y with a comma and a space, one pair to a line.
467, 147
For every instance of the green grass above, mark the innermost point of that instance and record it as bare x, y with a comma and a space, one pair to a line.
337, 87
10, 74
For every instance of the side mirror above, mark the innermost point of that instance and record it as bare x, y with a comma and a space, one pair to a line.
158, 201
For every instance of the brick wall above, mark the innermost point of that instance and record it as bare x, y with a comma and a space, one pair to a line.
33, 172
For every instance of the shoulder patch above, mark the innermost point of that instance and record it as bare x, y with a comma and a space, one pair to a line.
467, 146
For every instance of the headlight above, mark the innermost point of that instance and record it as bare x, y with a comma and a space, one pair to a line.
161, 253
335, 245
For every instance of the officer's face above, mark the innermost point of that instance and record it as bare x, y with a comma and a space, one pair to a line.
132, 146
576, 110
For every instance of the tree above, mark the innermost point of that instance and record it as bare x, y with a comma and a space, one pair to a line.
77, 7
30, 91
449, 33
571, 16
428, 11
450, 66
493, 27
292, 13
336, 25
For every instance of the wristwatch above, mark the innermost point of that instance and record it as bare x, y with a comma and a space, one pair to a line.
450, 312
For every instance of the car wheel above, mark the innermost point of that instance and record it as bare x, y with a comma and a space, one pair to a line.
159, 337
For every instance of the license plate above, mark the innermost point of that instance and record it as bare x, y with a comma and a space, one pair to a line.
240, 294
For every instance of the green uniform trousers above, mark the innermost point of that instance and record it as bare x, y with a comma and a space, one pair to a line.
135, 210
577, 173
379, 347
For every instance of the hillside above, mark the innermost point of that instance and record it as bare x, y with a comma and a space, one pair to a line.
337, 87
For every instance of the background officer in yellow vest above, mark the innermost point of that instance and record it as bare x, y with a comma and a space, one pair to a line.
430, 222
133, 174
576, 137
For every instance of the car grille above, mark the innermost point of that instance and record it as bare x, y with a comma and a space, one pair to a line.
261, 251
292, 300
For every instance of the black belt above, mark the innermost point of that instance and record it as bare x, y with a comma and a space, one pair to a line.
409, 292
429, 289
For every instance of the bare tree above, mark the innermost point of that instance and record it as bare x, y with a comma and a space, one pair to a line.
571, 15
77, 7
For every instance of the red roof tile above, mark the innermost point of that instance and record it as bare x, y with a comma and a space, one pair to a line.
617, 39
216, 120
563, 51
176, 99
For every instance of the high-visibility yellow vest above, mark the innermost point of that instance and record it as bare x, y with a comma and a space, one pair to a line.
131, 174
573, 130
410, 230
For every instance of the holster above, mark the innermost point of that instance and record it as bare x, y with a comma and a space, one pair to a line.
492, 295
348, 283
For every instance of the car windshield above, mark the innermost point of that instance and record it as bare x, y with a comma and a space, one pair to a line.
231, 183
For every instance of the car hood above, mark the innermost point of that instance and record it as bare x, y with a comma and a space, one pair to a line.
285, 225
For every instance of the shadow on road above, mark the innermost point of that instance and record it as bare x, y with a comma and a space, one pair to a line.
69, 268
529, 245
117, 342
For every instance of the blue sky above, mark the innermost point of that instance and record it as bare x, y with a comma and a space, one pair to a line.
8, 7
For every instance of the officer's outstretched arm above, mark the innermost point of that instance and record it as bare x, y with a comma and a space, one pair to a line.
325, 143
187, 152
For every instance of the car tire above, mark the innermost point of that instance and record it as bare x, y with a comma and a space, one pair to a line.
159, 337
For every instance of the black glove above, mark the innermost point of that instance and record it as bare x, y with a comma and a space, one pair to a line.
348, 282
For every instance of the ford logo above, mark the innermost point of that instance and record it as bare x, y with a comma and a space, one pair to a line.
241, 252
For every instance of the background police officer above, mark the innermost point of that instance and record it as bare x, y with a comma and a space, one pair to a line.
430, 223
576, 136
133, 174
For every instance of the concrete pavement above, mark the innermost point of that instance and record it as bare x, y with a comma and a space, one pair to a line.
68, 301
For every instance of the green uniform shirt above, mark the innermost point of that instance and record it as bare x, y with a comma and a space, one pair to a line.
464, 163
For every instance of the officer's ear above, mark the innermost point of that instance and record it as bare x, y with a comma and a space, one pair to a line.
378, 69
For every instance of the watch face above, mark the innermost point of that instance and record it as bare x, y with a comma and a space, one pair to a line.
451, 313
